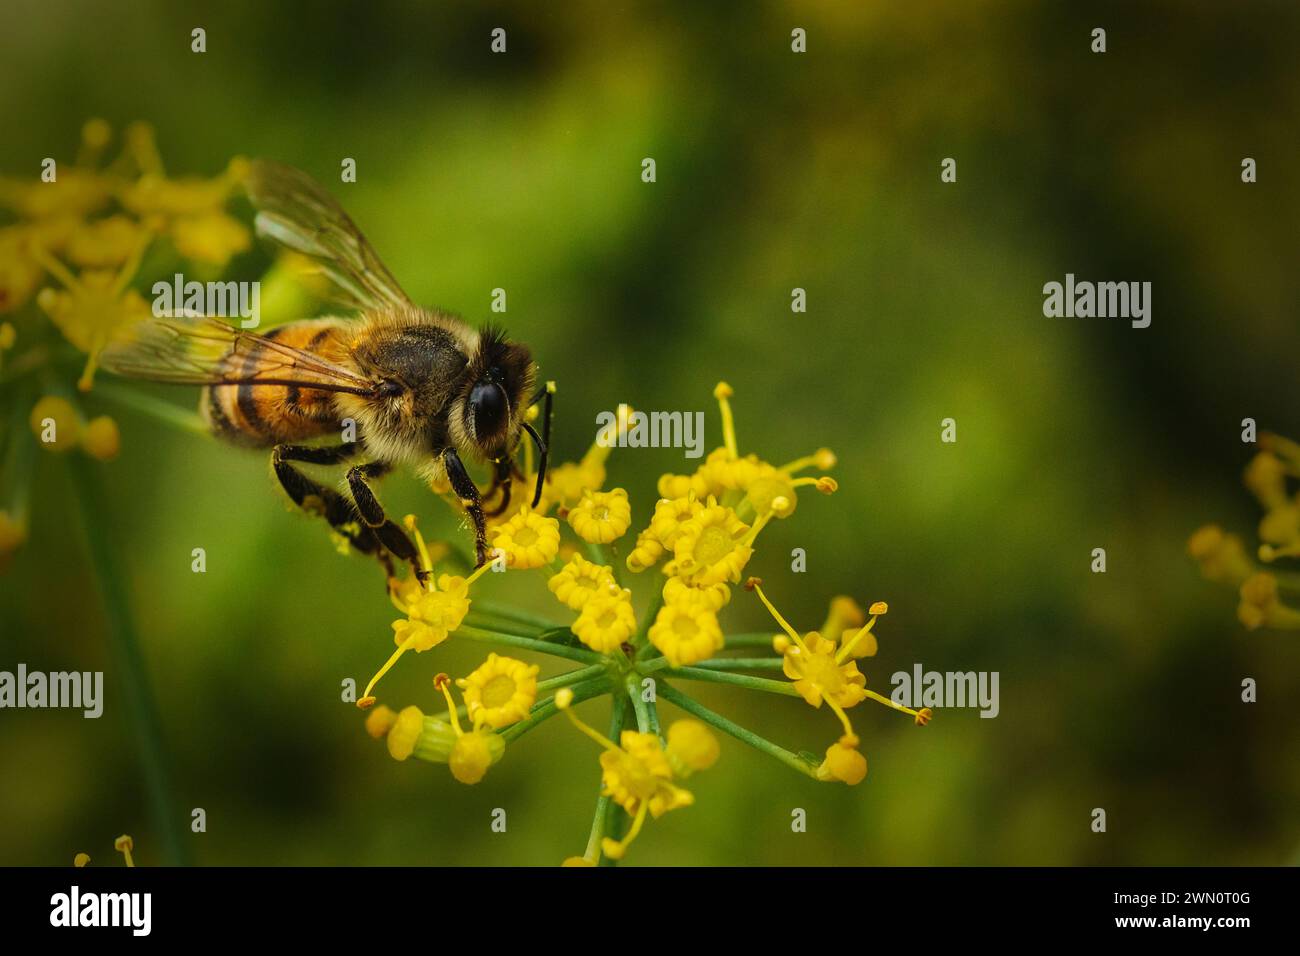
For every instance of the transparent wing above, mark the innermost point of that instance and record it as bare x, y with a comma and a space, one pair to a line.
197, 350
295, 211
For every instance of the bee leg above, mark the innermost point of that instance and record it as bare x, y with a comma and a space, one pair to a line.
467, 491
384, 528
312, 496
501, 479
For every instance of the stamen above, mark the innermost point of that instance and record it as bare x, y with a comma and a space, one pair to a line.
922, 716
877, 609
755, 584
367, 701
563, 700
124, 845
443, 683
425, 564
722, 392
839, 712
614, 849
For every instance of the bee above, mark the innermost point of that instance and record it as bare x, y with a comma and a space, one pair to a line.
402, 385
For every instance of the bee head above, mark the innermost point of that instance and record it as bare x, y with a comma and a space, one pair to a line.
499, 382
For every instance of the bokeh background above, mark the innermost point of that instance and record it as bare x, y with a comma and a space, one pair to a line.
924, 301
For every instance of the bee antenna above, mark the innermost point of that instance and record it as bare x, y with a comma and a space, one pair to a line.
541, 461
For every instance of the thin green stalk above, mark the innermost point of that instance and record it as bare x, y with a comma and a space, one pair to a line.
507, 613
491, 622
738, 680
605, 807
633, 689
155, 408
643, 633
546, 709
653, 711
571, 677
597, 553
742, 663
693, 707
141, 707
751, 640
527, 643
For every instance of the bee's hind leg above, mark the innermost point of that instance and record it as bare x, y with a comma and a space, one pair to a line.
311, 495
470, 499
372, 513
501, 479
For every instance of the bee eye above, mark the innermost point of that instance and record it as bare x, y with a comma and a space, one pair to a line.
488, 402
389, 389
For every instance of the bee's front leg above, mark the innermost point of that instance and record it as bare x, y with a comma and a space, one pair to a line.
470, 500
372, 513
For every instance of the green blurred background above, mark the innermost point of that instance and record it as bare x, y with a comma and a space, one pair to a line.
924, 301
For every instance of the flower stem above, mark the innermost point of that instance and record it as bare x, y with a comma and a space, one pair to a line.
691, 706
738, 680
605, 807
750, 640
630, 683
526, 643
571, 677
141, 706
492, 622
546, 709
742, 663
507, 613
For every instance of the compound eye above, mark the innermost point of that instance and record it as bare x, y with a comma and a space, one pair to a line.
488, 403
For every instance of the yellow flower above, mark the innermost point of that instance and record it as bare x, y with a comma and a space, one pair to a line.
686, 632
607, 620
404, 732
843, 762
1222, 557
691, 747
106, 243
380, 721
500, 692
1261, 607
679, 591
578, 580
56, 423
812, 665
93, 308
645, 553
75, 193
601, 516
714, 546
155, 194
637, 773
528, 540
100, 439
212, 237
577, 861
433, 615
842, 614
474, 751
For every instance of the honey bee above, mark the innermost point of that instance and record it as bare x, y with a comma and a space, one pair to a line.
410, 386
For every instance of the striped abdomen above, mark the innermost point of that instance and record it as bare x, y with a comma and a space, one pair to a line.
265, 415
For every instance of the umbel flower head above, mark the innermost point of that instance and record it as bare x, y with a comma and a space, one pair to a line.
701, 535
1270, 477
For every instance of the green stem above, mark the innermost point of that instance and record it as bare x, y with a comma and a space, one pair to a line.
605, 807
507, 613
546, 709
638, 705
751, 640
141, 707
651, 613
527, 643
571, 677
492, 622
597, 553
742, 663
693, 707
738, 680
155, 408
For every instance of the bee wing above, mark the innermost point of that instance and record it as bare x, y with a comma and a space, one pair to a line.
295, 211
198, 350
